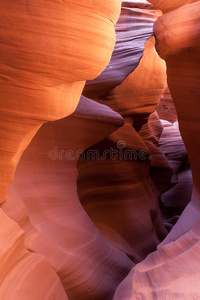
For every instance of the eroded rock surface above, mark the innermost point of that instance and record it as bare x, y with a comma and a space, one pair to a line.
120, 180
42, 73
83, 205
173, 271
45, 181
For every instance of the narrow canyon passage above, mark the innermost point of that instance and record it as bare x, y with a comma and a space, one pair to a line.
99, 139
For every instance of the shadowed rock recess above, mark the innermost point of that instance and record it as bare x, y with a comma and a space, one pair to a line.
99, 160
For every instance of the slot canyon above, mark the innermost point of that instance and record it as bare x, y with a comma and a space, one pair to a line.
99, 141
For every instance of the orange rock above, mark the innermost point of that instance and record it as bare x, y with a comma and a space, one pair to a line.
183, 64
133, 29
166, 109
45, 181
179, 195
130, 97
48, 50
119, 183
43, 68
173, 272
178, 32
169, 273
161, 171
21, 271
118, 194
170, 5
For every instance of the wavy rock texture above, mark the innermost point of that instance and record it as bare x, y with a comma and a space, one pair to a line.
166, 109
130, 97
41, 58
161, 171
169, 5
173, 271
120, 181
179, 195
20, 269
133, 29
45, 181
42, 73
48, 51
183, 62
118, 194
170, 273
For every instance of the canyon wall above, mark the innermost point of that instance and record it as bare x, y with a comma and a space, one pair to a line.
120, 183
43, 71
172, 272
93, 181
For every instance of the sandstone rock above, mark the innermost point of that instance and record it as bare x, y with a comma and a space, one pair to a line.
43, 68
134, 27
161, 171
166, 109
173, 271
170, 273
118, 194
170, 5
183, 72
179, 195
48, 50
20, 269
130, 98
45, 181
119, 183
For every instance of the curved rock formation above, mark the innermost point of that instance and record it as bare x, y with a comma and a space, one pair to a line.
133, 29
179, 195
181, 55
173, 271
169, 5
130, 97
161, 171
42, 73
170, 273
41, 58
48, 51
45, 181
166, 109
120, 180
118, 194
21, 271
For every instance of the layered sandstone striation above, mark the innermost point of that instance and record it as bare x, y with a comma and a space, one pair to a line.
119, 195
177, 197
182, 60
85, 182
133, 29
42, 73
43, 68
89, 267
21, 268
120, 180
161, 171
172, 272
169, 5
166, 109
